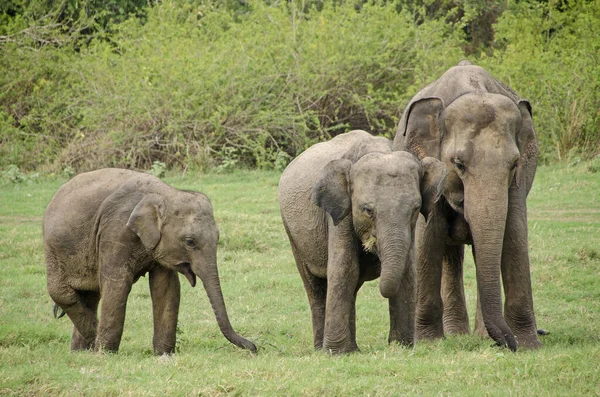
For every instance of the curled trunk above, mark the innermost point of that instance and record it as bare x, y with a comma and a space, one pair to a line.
210, 279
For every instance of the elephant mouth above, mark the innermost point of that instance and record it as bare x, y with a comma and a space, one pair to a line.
186, 269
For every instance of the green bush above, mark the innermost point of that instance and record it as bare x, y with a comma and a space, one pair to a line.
206, 84
12, 174
158, 169
190, 81
39, 107
552, 57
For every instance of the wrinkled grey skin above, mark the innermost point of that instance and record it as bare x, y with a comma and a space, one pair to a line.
483, 132
349, 207
105, 229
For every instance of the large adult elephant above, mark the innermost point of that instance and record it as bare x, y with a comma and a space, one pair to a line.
349, 207
483, 132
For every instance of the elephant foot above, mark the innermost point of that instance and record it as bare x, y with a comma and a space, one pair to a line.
337, 350
526, 332
334, 352
420, 336
105, 350
530, 342
456, 329
163, 350
81, 345
429, 331
78, 342
403, 339
402, 342
105, 347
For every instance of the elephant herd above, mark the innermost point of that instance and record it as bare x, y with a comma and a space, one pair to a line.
355, 208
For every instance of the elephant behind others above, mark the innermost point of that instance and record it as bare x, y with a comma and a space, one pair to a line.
483, 133
105, 229
349, 207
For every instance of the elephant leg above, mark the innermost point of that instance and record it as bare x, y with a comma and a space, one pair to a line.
90, 300
340, 314
402, 308
456, 318
165, 294
342, 281
80, 307
115, 291
516, 277
352, 323
316, 291
78, 341
430, 245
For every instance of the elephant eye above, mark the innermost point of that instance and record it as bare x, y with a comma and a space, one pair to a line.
190, 242
417, 207
459, 165
415, 215
368, 211
514, 166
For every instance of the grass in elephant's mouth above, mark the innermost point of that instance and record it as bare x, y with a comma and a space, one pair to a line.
267, 304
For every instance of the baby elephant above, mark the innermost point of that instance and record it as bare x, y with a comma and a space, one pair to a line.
349, 207
105, 229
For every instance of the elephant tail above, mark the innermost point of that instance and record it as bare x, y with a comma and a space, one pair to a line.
56, 311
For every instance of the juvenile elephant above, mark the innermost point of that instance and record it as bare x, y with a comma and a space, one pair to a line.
349, 207
105, 229
483, 132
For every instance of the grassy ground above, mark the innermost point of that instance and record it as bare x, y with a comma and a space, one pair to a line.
267, 304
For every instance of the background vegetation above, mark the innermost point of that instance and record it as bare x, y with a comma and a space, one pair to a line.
267, 303
201, 83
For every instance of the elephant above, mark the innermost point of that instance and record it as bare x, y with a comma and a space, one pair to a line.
105, 229
483, 133
349, 207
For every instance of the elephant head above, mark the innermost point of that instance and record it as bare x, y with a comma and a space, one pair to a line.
484, 140
180, 232
383, 192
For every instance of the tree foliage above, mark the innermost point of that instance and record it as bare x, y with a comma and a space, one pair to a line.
551, 53
202, 84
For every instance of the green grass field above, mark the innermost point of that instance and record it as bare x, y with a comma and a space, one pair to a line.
267, 304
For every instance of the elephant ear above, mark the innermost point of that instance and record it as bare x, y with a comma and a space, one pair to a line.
331, 190
432, 183
528, 147
147, 218
421, 127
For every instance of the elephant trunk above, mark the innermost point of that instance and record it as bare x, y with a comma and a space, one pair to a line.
210, 279
487, 220
393, 252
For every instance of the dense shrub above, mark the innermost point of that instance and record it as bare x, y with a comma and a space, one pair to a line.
202, 84
552, 57
38, 106
191, 81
